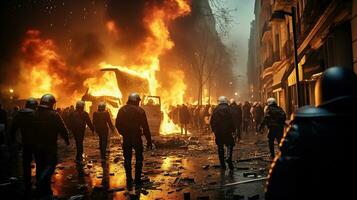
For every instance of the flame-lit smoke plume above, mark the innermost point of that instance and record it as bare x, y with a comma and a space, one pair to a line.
142, 35
42, 70
132, 38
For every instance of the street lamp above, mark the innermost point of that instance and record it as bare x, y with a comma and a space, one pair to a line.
278, 16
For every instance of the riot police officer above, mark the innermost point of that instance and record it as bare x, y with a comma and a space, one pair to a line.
318, 149
47, 125
223, 126
101, 121
274, 119
78, 120
24, 121
131, 123
236, 111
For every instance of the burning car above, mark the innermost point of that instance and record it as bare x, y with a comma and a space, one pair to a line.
127, 83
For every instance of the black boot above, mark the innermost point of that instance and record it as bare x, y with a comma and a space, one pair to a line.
221, 156
229, 157
129, 178
138, 181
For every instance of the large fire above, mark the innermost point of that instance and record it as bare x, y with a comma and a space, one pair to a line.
43, 70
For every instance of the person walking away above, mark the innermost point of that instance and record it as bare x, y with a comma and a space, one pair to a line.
274, 119
78, 120
320, 142
47, 125
237, 118
23, 121
258, 114
185, 118
131, 123
246, 116
223, 126
101, 122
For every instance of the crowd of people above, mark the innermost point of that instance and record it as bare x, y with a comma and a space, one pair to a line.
318, 140
247, 117
39, 125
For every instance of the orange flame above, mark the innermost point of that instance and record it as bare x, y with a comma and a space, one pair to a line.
43, 71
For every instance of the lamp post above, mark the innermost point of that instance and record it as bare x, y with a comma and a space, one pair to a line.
278, 15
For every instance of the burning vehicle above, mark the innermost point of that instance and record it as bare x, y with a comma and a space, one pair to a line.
128, 83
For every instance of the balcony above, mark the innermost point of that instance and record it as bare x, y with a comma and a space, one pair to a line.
283, 5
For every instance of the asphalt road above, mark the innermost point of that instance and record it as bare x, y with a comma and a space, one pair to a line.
179, 165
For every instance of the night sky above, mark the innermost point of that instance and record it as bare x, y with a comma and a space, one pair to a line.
64, 21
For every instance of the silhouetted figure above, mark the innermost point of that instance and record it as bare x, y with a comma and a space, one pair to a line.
78, 120
223, 126
131, 123
184, 116
237, 117
274, 119
258, 115
24, 121
101, 122
246, 116
319, 148
48, 124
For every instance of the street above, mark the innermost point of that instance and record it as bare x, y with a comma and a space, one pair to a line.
177, 166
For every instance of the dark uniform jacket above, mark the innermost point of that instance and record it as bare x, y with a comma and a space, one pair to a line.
274, 116
47, 125
101, 121
222, 125
78, 121
317, 155
258, 113
24, 121
131, 123
236, 114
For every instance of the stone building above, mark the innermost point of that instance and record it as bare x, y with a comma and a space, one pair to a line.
326, 32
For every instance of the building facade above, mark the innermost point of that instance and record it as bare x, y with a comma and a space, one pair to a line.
326, 32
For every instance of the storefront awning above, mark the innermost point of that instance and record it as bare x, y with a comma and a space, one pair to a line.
277, 76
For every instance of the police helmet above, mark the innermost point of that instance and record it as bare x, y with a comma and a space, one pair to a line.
101, 106
335, 83
31, 103
222, 100
47, 101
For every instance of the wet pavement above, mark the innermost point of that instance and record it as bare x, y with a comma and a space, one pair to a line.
179, 166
